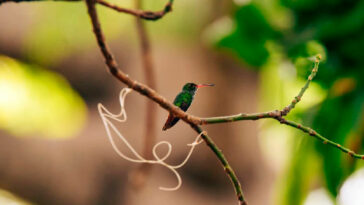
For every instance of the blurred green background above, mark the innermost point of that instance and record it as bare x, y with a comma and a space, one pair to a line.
53, 148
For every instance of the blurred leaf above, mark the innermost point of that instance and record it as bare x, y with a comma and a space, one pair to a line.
279, 83
300, 4
333, 28
301, 54
308, 49
248, 37
343, 86
34, 101
337, 25
304, 170
184, 23
299, 176
63, 28
336, 125
340, 24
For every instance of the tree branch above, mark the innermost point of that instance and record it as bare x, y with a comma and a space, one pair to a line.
150, 93
298, 98
229, 171
271, 114
238, 117
313, 133
279, 115
147, 15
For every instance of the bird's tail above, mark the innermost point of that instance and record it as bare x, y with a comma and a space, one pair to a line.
170, 122
165, 127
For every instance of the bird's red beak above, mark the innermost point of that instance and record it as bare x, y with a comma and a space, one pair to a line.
204, 85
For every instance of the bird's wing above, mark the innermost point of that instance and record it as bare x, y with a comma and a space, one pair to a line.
185, 105
183, 101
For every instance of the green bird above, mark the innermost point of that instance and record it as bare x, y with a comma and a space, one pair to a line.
183, 100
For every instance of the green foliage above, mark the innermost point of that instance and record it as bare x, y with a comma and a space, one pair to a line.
296, 182
34, 101
339, 28
247, 40
63, 28
335, 29
301, 54
343, 124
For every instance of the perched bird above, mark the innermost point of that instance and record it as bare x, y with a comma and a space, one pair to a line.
183, 100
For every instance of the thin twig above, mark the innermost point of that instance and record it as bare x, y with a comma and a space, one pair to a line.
238, 117
147, 15
271, 114
279, 115
298, 98
313, 133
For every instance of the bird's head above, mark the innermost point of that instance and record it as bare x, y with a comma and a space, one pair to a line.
192, 87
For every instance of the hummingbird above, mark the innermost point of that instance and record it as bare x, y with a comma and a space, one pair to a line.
183, 100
